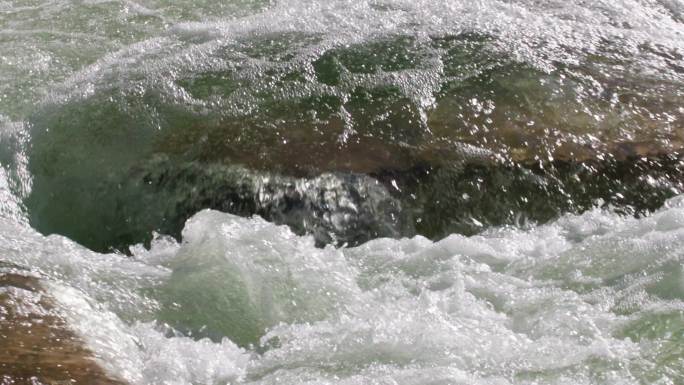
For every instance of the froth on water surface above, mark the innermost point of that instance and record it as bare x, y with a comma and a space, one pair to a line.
590, 299
474, 192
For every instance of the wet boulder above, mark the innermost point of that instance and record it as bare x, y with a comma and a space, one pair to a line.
36, 344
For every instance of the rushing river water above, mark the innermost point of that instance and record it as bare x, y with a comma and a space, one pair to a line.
349, 191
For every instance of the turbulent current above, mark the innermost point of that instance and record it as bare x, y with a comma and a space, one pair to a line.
342, 191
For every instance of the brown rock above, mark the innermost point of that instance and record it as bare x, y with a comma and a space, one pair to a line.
36, 345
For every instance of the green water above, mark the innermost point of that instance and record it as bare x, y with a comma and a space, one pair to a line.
473, 192
447, 114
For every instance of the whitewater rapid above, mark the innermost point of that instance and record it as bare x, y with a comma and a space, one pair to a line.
365, 122
590, 299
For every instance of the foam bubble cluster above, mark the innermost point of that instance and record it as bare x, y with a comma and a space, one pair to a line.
339, 118
590, 299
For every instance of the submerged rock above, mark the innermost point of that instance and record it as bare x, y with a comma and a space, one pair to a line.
467, 198
336, 208
36, 344
458, 134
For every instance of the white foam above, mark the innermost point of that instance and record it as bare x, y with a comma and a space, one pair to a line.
549, 305
537, 33
563, 303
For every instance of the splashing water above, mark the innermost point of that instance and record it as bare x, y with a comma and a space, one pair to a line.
351, 121
447, 97
588, 299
